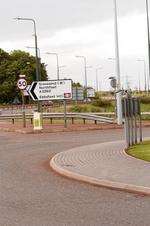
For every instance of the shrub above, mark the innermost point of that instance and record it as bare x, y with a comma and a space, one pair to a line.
102, 103
96, 109
75, 108
81, 108
145, 100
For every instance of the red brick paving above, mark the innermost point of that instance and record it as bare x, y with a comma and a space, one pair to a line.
18, 127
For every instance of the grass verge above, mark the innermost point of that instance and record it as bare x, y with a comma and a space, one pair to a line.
140, 151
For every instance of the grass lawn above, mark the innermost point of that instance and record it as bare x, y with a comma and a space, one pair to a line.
141, 151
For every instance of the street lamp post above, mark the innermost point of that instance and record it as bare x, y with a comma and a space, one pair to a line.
39, 58
142, 60
148, 37
36, 50
57, 61
97, 69
117, 61
85, 73
85, 69
32, 47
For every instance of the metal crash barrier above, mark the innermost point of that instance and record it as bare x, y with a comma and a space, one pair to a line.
131, 113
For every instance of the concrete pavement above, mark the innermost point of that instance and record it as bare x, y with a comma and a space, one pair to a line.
104, 164
31, 194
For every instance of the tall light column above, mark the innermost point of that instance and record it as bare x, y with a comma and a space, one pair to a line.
39, 57
57, 62
148, 39
85, 69
36, 50
117, 62
97, 69
32, 47
145, 80
85, 74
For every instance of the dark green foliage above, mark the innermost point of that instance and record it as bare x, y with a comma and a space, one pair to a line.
102, 103
76, 84
145, 100
84, 108
76, 108
11, 66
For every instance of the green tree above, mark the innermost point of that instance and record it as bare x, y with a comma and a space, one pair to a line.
11, 66
77, 84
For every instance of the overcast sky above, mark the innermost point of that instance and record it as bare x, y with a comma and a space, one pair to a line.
79, 27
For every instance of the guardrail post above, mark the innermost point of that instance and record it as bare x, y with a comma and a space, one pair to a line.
51, 120
65, 114
95, 122
13, 121
84, 121
140, 127
72, 119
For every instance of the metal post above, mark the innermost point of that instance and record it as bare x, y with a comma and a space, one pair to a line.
128, 119
57, 63
65, 114
85, 67
36, 51
97, 89
132, 124
23, 111
117, 61
140, 128
135, 127
57, 66
97, 79
37, 62
126, 124
140, 120
85, 74
145, 80
39, 59
135, 120
76, 94
139, 83
148, 37
145, 76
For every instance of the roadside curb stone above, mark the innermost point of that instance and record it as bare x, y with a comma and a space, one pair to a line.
104, 165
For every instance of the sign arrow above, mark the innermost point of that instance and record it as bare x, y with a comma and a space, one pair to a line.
31, 91
51, 90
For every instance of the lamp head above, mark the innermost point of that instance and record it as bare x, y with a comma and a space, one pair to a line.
17, 18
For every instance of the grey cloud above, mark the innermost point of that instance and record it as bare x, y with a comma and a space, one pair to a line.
52, 15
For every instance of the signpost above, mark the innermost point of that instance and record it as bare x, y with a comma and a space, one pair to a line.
22, 85
131, 112
25, 91
52, 90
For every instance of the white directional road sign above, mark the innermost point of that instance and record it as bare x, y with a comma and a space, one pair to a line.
78, 93
51, 90
90, 92
22, 83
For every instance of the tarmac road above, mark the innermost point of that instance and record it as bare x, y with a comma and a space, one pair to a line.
31, 194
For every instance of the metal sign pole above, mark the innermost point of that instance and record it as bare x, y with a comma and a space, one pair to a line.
126, 124
141, 136
128, 120
132, 124
135, 127
135, 120
23, 110
65, 114
140, 120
